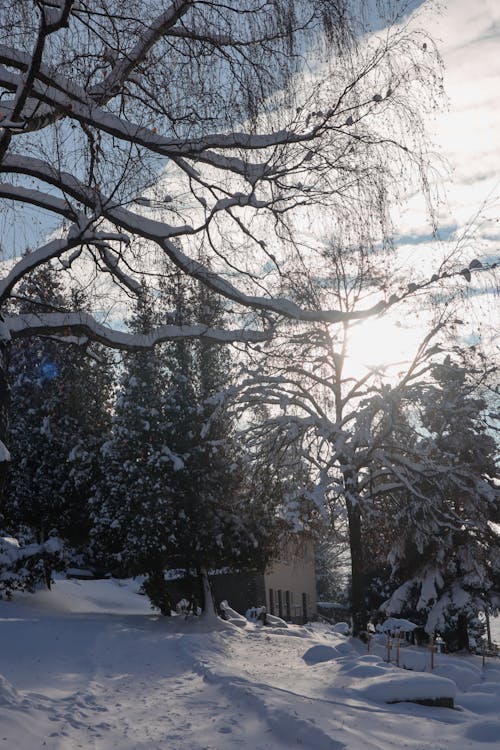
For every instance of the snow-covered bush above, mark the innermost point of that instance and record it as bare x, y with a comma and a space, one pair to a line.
260, 614
275, 622
188, 608
256, 614
342, 627
22, 568
156, 589
231, 615
183, 607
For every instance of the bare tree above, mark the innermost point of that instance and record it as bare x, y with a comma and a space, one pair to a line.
349, 423
199, 126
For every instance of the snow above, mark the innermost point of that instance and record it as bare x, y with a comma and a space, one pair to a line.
320, 652
232, 616
485, 731
86, 324
391, 688
11, 551
341, 627
90, 665
275, 622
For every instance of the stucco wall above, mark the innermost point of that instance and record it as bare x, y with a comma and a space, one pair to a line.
291, 580
294, 573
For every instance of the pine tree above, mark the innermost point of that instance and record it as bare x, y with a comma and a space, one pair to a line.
131, 507
58, 412
89, 376
217, 523
174, 492
445, 551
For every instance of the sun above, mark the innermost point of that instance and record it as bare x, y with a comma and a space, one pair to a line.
381, 343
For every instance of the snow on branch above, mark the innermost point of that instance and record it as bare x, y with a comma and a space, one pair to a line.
85, 325
124, 67
65, 98
76, 237
70, 101
160, 233
38, 198
110, 260
109, 86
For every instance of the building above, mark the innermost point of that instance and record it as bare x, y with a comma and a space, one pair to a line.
287, 587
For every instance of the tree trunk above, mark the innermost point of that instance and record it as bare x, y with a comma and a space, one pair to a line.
462, 633
358, 604
488, 628
208, 600
47, 570
4, 409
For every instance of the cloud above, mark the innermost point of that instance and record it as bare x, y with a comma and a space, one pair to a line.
468, 134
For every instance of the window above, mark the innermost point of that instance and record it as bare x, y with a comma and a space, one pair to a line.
288, 606
304, 607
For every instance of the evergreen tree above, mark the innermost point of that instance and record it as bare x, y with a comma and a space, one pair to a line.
90, 382
59, 409
174, 492
445, 552
219, 520
132, 505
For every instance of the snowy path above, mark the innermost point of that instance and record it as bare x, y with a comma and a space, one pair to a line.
103, 681
89, 666
114, 685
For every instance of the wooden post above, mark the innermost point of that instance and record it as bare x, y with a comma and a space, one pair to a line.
488, 629
397, 648
388, 647
368, 640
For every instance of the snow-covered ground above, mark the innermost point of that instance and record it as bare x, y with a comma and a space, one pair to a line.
90, 666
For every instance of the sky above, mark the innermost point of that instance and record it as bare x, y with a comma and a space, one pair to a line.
464, 141
465, 134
